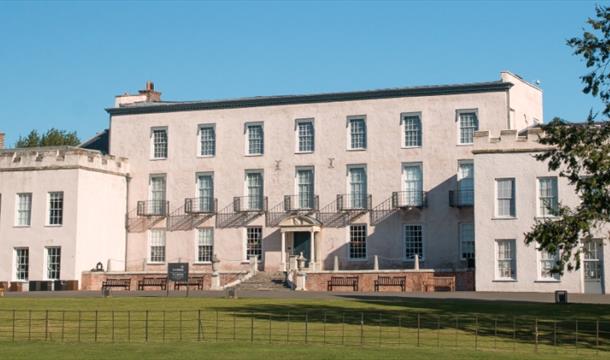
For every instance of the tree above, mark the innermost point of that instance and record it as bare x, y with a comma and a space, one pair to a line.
53, 137
581, 154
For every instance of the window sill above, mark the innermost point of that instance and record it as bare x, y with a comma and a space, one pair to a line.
202, 263
22, 226
359, 149
253, 155
551, 281
411, 147
505, 218
303, 152
54, 226
504, 280
465, 144
205, 156
155, 263
157, 159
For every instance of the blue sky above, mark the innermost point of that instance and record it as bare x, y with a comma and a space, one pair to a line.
61, 64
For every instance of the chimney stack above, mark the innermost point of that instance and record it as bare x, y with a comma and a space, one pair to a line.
1, 141
144, 96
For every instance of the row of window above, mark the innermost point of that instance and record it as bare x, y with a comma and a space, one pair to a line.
412, 186
55, 209
52, 263
506, 262
547, 197
411, 129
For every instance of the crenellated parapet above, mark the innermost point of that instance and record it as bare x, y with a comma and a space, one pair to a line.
65, 157
509, 141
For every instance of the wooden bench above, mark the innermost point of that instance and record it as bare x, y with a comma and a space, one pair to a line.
347, 281
118, 283
399, 281
159, 282
440, 281
192, 281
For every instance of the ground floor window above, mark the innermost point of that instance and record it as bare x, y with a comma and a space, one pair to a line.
53, 262
254, 242
357, 241
414, 243
467, 241
547, 262
205, 245
22, 262
505, 260
157, 246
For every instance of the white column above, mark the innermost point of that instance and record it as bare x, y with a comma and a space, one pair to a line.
283, 255
312, 250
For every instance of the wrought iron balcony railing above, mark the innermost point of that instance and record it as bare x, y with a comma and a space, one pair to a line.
354, 202
461, 198
153, 208
249, 204
201, 205
409, 199
301, 203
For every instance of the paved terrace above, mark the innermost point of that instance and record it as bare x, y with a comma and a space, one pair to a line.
460, 295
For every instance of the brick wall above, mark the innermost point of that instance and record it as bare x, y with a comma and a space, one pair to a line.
464, 280
93, 280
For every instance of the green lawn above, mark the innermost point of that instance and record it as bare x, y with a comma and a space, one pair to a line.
158, 327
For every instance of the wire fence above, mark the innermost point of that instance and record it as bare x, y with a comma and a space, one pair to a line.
381, 329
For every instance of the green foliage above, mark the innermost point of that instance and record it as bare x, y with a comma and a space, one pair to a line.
53, 137
581, 154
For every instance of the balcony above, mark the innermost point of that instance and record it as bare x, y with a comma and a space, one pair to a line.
409, 199
296, 203
461, 198
152, 208
200, 205
245, 204
354, 202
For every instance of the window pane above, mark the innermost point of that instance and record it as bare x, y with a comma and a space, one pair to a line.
254, 182
56, 208
306, 136
467, 241
22, 263
466, 183
205, 184
254, 237
547, 262
358, 133
208, 140
413, 185
24, 209
506, 262
358, 193
547, 196
159, 143
53, 263
305, 183
468, 125
205, 245
157, 246
357, 242
505, 197
255, 139
413, 241
412, 127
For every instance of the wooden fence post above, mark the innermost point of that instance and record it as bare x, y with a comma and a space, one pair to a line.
199, 325
63, 324
306, 327
146, 327
476, 332
536, 335
29, 325
418, 327
129, 326
95, 325
361, 328
252, 327
79, 324
46, 325
13, 335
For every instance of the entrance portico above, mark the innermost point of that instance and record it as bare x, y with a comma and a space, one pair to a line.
303, 230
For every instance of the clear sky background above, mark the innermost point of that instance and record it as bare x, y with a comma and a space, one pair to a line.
61, 64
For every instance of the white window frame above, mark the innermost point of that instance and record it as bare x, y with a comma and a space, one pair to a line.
354, 202
245, 244
297, 148
541, 260
18, 210
247, 195
403, 129
416, 199
404, 242
465, 200
539, 200
150, 246
200, 129
247, 127
497, 258
349, 132
459, 114
50, 209
17, 263
497, 199
296, 185
47, 264
152, 142
462, 240
198, 245
349, 242
197, 189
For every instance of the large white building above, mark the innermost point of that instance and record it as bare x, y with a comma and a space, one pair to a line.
392, 174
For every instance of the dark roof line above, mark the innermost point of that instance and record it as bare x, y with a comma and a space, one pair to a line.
158, 107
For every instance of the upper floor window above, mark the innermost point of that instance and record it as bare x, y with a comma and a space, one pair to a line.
255, 136
255, 190
157, 204
469, 123
548, 204
305, 188
357, 187
357, 133
413, 185
205, 192
56, 208
414, 241
207, 139
467, 241
465, 183
22, 263
506, 263
305, 135
412, 130
24, 209
205, 245
53, 262
157, 246
357, 241
159, 143
505, 197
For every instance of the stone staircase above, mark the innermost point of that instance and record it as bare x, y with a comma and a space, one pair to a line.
264, 281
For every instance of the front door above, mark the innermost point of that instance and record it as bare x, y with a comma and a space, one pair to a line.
593, 267
301, 244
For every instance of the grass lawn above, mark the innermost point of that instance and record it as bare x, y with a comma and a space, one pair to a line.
257, 328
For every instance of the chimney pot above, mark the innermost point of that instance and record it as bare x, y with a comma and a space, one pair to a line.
150, 86
1, 141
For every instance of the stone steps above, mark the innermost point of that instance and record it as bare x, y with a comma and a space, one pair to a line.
265, 282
